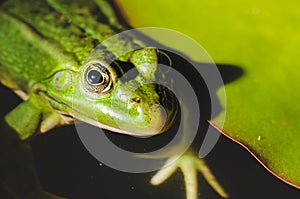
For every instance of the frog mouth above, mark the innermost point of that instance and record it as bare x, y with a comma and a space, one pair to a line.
70, 113
157, 126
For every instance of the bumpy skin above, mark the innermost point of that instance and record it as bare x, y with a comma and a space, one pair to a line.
46, 49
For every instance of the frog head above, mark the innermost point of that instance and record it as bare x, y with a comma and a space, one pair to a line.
122, 95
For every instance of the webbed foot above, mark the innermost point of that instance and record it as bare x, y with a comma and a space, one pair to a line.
189, 164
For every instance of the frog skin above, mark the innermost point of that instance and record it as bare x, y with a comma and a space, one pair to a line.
46, 57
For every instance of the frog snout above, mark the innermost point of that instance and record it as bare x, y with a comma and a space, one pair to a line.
169, 102
153, 116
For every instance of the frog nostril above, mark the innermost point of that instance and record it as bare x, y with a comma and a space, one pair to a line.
136, 100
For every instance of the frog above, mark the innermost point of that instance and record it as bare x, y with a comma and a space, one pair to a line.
46, 57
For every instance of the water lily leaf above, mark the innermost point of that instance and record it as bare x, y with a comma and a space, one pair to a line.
262, 37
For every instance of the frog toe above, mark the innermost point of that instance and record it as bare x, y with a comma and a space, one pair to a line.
190, 165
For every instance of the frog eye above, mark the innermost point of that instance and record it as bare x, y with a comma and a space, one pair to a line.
96, 78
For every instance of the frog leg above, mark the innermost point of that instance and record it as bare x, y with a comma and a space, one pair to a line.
189, 164
33, 115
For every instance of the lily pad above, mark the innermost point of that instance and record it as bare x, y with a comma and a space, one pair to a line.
262, 37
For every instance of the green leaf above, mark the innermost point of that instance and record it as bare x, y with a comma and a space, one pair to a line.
262, 37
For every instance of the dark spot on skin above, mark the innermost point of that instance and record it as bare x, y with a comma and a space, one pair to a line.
82, 36
66, 24
95, 42
136, 100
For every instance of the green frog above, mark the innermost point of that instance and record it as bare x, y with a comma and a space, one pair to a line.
46, 57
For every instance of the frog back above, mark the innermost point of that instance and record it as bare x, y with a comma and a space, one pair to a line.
39, 38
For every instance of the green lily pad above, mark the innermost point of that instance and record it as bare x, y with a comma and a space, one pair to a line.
262, 37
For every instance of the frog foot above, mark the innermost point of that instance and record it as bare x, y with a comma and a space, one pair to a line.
189, 164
